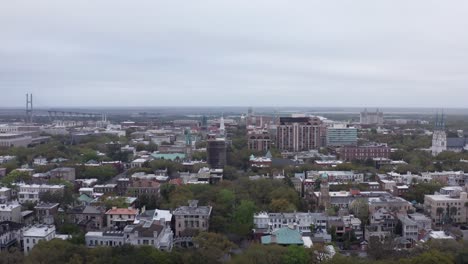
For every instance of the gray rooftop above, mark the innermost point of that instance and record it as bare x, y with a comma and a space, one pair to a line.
193, 209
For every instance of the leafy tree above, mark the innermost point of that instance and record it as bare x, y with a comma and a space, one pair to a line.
212, 246
16, 176
102, 173
360, 209
261, 254
230, 173
282, 205
418, 191
11, 256
243, 218
172, 167
430, 257
295, 255
119, 202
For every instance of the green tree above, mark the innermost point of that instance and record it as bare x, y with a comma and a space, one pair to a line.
282, 205
261, 254
295, 255
16, 176
430, 257
212, 246
243, 218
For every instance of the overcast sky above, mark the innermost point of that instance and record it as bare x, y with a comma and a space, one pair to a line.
237, 53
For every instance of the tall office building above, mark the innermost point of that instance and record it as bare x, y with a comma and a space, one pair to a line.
341, 135
216, 152
300, 134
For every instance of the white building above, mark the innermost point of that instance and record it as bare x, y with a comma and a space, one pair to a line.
39, 161
443, 208
11, 212
338, 176
269, 222
410, 229
34, 234
138, 163
5, 194
32, 192
107, 238
14, 140
149, 233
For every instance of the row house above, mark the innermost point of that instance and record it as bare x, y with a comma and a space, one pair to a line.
336, 176
147, 233
88, 217
63, 173
32, 192
105, 188
46, 212
10, 234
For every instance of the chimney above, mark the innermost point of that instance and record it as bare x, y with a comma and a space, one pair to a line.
193, 203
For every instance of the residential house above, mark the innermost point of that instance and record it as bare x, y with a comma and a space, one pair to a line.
88, 217
120, 217
34, 234
11, 212
63, 173
191, 218
46, 212
32, 192
10, 234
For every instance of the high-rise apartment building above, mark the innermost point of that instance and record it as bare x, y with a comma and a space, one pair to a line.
300, 134
259, 140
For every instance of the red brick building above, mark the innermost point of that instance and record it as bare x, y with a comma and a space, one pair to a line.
364, 152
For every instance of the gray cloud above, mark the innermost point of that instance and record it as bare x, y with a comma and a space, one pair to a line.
264, 53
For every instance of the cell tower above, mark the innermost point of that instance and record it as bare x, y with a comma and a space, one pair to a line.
29, 108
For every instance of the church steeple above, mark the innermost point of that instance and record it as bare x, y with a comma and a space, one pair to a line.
439, 121
439, 138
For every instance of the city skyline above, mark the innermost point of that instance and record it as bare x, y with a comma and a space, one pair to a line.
311, 54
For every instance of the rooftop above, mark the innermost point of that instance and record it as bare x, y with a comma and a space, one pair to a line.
193, 209
122, 211
9, 207
441, 197
284, 236
39, 231
46, 206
